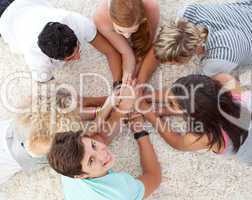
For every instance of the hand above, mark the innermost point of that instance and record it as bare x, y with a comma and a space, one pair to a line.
126, 76
141, 106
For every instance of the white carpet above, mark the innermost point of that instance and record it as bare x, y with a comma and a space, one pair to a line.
186, 176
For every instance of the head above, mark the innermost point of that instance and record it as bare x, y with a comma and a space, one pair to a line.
202, 105
58, 41
129, 20
74, 155
179, 41
44, 120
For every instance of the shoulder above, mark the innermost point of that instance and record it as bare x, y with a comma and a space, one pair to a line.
213, 66
78, 19
151, 5
83, 27
101, 16
195, 12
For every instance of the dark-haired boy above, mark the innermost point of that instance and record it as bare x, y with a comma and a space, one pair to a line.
86, 165
48, 37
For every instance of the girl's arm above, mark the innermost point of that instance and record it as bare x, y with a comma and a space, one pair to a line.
150, 63
112, 55
147, 68
187, 142
105, 27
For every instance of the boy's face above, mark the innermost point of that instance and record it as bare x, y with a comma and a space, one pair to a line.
97, 158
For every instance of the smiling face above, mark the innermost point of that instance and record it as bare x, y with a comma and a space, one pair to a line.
126, 31
97, 158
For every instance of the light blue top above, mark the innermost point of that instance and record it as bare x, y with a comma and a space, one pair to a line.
114, 186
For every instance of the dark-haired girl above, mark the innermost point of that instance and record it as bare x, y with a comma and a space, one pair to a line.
130, 26
219, 116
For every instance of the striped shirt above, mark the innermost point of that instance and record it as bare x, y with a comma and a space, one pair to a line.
229, 41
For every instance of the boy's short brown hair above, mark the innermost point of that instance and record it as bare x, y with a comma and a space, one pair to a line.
66, 153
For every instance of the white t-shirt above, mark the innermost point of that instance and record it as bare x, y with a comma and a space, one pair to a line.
23, 21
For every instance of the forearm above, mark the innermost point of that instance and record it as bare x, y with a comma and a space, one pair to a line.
106, 109
149, 161
149, 65
93, 101
173, 139
115, 64
129, 63
151, 176
113, 125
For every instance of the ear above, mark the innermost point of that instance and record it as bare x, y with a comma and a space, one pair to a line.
82, 176
199, 50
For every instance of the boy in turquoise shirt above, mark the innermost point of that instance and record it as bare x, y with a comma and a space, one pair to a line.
86, 163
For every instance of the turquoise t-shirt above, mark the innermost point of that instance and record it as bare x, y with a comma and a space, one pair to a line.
113, 186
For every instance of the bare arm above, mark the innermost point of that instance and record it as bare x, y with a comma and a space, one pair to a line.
93, 101
104, 26
149, 65
151, 176
188, 142
112, 55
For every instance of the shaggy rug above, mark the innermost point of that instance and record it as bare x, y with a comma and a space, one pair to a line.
185, 176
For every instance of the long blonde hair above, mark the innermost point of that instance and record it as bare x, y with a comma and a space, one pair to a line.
129, 13
178, 41
43, 122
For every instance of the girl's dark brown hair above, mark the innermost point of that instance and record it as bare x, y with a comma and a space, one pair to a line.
206, 109
129, 13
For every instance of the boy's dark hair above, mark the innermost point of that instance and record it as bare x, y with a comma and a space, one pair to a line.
66, 153
206, 109
57, 40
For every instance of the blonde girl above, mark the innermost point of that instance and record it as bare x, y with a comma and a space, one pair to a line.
26, 138
219, 34
130, 26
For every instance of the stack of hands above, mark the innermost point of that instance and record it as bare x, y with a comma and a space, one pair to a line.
130, 101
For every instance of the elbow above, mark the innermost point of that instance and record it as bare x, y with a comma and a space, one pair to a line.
177, 143
178, 147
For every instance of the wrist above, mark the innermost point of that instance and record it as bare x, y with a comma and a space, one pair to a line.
140, 134
117, 84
